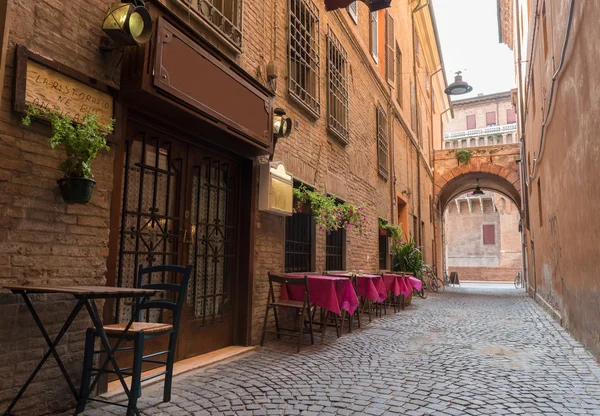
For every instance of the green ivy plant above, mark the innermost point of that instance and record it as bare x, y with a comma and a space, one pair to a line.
82, 140
463, 156
393, 230
407, 257
330, 215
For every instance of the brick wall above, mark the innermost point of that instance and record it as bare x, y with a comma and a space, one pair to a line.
42, 240
488, 274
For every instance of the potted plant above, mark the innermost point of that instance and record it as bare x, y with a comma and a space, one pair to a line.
330, 214
390, 230
408, 258
82, 142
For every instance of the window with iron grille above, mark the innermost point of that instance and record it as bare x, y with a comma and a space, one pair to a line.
334, 250
389, 46
382, 142
304, 61
225, 16
374, 36
399, 75
383, 252
298, 243
337, 88
353, 11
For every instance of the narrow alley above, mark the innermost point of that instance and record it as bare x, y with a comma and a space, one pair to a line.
473, 350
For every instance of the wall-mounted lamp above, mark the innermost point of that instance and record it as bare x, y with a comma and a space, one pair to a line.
373, 5
458, 87
128, 23
282, 127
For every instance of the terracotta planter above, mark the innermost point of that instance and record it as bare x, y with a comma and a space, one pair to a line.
76, 190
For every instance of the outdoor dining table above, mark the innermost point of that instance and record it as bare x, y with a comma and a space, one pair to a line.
401, 284
86, 297
370, 287
332, 294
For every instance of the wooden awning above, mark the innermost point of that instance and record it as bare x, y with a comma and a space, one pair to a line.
373, 5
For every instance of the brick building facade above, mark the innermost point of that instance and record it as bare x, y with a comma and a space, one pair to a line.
378, 154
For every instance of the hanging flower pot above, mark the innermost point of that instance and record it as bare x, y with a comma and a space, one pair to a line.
76, 190
82, 141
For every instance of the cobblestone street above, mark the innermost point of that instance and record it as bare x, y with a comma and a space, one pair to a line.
468, 351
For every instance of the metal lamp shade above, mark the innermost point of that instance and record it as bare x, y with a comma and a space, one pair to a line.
478, 190
458, 87
373, 5
126, 24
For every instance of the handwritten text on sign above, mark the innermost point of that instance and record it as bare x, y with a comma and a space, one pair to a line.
53, 91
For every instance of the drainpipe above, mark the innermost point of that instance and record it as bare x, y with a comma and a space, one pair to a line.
418, 7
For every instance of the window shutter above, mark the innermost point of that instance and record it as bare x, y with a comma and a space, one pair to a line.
374, 22
353, 11
490, 118
413, 110
489, 234
389, 39
511, 116
471, 122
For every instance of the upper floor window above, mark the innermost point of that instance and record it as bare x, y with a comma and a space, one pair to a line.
374, 36
389, 46
490, 118
304, 64
225, 16
489, 234
337, 88
399, 75
427, 80
353, 11
413, 108
511, 116
417, 47
471, 122
382, 142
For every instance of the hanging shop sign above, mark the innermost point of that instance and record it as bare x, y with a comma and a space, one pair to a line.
53, 87
276, 187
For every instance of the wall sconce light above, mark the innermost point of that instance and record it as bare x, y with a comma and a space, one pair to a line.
282, 126
128, 23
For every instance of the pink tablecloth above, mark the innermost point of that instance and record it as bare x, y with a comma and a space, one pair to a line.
397, 284
371, 286
328, 292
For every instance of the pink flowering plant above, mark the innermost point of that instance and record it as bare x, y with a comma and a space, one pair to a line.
330, 214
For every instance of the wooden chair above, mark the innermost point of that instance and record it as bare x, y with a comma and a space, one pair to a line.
140, 331
302, 308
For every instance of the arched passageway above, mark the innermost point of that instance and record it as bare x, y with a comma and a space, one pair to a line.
497, 170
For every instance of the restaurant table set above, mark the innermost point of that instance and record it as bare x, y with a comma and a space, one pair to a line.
338, 295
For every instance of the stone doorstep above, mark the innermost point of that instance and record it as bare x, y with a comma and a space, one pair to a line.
180, 367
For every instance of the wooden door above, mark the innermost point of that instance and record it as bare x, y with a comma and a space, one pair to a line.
211, 218
180, 205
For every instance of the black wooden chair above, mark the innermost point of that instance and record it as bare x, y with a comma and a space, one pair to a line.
140, 331
302, 308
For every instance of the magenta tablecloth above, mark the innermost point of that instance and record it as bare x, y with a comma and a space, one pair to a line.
415, 283
398, 284
328, 292
371, 286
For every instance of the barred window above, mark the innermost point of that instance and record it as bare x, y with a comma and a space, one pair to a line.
225, 16
353, 11
382, 142
334, 250
304, 65
337, 88
374, 36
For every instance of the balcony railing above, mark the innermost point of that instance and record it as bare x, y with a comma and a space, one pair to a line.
487, 131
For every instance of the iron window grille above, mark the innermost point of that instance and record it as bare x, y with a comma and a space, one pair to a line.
374, 36
304, 61
334, 250
382, 142
383, 252
224, 16
337, 88
298, 243
353, 11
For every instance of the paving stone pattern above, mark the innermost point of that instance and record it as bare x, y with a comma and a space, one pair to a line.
468, 351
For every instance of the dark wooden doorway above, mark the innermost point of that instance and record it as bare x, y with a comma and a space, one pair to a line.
180, 205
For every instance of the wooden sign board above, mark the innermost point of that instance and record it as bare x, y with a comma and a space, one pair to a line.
40, 84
